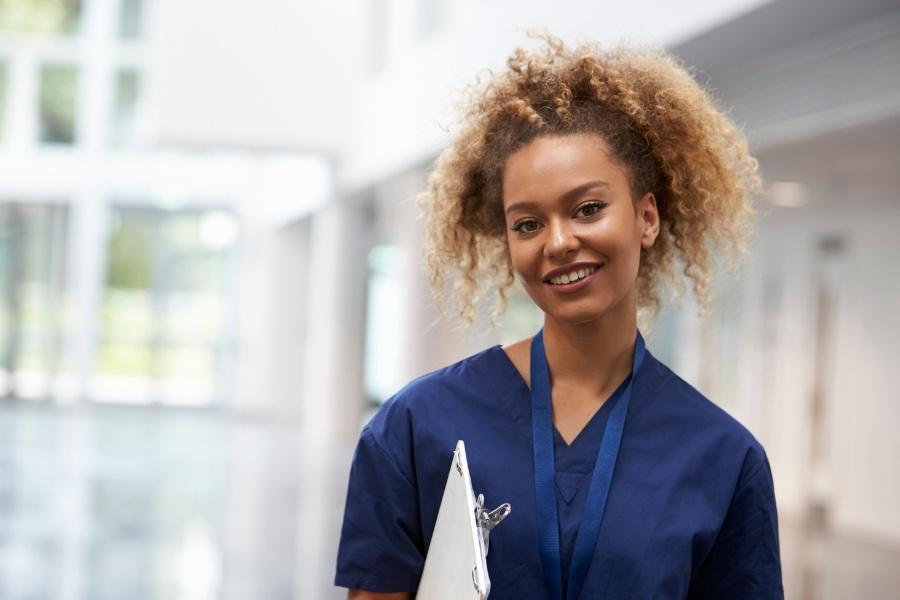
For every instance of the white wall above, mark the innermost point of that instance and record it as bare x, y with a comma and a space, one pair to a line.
407, 107
274, 74
856, 479
264, 74
866, 446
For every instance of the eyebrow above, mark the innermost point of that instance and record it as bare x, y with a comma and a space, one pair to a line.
565, 198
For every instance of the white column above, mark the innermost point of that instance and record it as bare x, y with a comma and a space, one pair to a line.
86, 270
273, 287
21, 112
332, 399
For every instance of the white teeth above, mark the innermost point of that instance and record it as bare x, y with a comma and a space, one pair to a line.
573, 276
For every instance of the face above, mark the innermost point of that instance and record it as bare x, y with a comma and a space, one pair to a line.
575, 233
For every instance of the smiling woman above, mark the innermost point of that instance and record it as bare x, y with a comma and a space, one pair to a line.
655, 122
587, 175
576, 221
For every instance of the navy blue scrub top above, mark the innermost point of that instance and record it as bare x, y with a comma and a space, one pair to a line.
691, 511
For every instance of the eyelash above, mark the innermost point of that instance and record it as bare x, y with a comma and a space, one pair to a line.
518, 226
593, 204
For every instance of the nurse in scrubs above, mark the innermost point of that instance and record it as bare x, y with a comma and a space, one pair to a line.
589, 176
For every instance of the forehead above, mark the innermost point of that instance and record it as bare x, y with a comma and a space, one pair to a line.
552, 165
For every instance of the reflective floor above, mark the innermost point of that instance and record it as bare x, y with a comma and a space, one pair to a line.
112, 503
145, 504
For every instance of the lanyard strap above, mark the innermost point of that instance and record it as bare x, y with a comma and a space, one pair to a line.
545, 474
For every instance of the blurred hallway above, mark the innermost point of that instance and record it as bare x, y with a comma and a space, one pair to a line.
210, 274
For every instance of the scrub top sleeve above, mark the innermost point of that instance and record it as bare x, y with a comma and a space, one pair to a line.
744, 561
381, 547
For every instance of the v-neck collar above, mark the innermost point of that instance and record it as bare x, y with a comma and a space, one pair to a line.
513, 386
575, 461
592, 432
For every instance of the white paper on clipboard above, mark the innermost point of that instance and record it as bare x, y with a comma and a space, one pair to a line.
455, 567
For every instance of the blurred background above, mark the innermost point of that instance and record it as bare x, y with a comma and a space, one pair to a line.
210, 273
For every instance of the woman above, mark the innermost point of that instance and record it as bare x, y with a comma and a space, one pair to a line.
585, 174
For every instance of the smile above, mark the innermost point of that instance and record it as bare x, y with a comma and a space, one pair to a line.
575, 275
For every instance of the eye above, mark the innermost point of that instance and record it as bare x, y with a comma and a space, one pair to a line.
526, 226
589, 209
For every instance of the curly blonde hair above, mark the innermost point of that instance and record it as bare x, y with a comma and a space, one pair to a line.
657, 122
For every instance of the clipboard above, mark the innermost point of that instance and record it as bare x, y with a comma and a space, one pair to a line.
455, 566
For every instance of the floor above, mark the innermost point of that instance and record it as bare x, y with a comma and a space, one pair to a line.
110, 503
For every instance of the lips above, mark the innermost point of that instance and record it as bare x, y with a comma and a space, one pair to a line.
571, 273
572, 276
560, 280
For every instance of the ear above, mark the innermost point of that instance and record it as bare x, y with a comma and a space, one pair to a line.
648, 220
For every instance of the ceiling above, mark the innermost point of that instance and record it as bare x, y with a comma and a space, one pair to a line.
773, 28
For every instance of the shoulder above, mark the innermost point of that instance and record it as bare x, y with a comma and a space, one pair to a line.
710, 427
478, 373
460, 386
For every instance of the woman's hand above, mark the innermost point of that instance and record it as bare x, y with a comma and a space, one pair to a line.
364, 595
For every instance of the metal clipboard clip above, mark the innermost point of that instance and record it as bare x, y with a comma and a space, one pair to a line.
486, 520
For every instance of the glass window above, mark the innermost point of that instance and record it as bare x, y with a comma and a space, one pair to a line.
131, 18
59, 88
32, 298
164, 317
40, 17
378, 36
385, 319
127, 89
430, 15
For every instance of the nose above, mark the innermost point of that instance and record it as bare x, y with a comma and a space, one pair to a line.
562, 240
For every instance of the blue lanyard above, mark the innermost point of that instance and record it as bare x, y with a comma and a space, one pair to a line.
545, 474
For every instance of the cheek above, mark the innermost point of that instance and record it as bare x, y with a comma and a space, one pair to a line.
618, 235
526, 265
629, 252
615, 240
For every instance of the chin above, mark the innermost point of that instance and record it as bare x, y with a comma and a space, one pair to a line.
577, 315
584, 311
579, 320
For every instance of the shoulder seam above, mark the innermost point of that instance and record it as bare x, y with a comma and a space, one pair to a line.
752, 475
390, 458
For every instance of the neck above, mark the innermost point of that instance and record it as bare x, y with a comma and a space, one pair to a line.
594, 357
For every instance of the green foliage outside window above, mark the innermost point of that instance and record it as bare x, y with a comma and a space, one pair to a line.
164, 313
59, 86
39, 17
131, 254
124, 107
